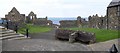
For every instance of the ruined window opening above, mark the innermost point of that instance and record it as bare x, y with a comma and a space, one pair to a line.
31, 17
115, 26
102, 22
48, 23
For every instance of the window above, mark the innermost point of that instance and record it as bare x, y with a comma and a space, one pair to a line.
13, 15
31, 17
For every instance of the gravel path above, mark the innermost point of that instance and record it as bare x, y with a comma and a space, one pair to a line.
42, 45
43, 42
46, 42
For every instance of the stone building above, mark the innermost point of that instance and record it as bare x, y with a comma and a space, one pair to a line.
40, 21
31, 17
113, 15
110, 21
80, 22
97, 22
15, 16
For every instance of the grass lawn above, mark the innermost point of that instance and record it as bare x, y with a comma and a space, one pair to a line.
35, 29
101, 34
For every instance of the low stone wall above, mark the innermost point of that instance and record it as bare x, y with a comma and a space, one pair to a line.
68, 23
40, 22
84, 37
43, 22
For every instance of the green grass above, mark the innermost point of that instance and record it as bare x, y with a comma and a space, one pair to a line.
35, 29
101, 34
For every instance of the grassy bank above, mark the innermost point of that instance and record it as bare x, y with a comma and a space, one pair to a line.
101, 34
35, 29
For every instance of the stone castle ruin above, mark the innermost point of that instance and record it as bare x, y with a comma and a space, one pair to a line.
80, 22
68, 23
97, 22
31, 17
15, 16
110, 21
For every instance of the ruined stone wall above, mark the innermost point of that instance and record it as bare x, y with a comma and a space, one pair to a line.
40, 22
31, 18
43, 22
68, 23
118, 17
97, 22
15, 16
112, 16
81, 22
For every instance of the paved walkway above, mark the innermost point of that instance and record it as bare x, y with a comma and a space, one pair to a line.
42, 45
47, 42
105, 46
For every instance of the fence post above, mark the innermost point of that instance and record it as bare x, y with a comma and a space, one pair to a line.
27, 33
16, 28
7, 24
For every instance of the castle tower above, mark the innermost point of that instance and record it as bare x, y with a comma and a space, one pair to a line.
113, 14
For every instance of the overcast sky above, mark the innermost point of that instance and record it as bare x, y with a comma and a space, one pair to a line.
56, 8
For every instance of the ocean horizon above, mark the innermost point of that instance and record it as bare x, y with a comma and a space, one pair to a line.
56, 20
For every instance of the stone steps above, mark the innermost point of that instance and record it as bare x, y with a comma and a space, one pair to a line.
7, 34
6, 31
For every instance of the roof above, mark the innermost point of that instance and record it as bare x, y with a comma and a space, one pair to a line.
14, 10
114, 3
32, 13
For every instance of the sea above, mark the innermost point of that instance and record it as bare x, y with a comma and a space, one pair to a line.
57, 19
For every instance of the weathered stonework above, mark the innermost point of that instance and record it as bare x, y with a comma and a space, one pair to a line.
72, 36
97, 22
31, 17
113, 15
43, 22
15, 16
81, 22
110, 21
68, 23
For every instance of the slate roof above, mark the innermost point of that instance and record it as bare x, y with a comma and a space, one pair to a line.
114, 3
